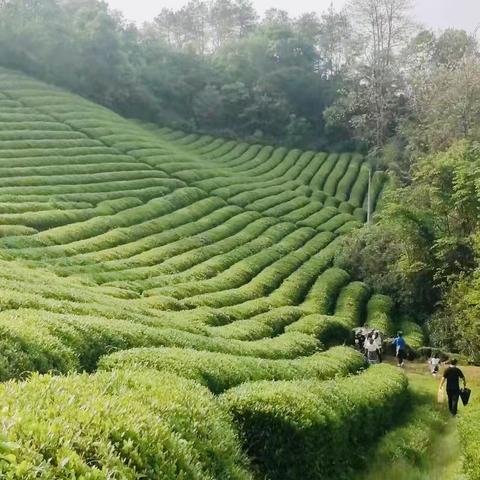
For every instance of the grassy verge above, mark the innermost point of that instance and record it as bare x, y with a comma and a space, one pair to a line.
426, 445
469, 427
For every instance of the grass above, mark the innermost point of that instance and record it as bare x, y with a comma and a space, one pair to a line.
426, 445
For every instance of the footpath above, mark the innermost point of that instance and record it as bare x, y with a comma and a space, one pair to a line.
425, 444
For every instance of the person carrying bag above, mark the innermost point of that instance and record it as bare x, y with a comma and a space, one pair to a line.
451, 377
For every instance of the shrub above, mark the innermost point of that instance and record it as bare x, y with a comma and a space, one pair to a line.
309, 171
351, 303
359, 189
287, 207
321, 298
272, 201
345, 184
43, 342
338, 172
324, 171
302, 213
260, 326
316, 430
346, 207
379, 314
296, 286
378, 181
219, 371
125, 425
336, 222
319, 218
413, 333
300, 165
469, 430
230, 186
330, 330
331, 202
348, 227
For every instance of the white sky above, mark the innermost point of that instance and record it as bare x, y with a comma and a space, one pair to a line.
433, 13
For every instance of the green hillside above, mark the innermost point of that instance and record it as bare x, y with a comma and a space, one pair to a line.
212, 261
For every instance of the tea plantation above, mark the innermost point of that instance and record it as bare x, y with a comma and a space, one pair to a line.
169, 308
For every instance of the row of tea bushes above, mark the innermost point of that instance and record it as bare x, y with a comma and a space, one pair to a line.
41, 341
219, 371
116, 425
316, 430
469, 429
323, 294
379, 314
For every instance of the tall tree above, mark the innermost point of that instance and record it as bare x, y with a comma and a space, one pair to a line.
443, 74
384, 26
375, 92
335, 42
185, 29
203, 27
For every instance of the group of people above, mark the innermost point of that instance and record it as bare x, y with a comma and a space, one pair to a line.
370, 343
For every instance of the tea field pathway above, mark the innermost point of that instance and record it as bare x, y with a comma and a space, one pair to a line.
427, 445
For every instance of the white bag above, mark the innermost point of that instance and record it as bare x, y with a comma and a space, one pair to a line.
440, 396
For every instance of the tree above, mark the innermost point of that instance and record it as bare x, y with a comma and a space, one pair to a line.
375, 83
208, 107
443, 74
452, 47
230, 19
185, 29
174, 69
308, 25
393, 259
202, 27
335, 42
275, 18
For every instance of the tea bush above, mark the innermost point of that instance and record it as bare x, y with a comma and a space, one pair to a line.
310, 429
219, 372
116, 425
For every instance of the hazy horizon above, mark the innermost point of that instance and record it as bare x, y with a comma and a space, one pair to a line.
436, 14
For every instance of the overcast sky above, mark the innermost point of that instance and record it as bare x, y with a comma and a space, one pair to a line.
434, 13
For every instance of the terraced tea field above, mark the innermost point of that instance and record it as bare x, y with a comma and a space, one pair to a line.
181, 274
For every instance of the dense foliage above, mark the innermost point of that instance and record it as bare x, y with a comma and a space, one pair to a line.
423, 251
469, 435
319, 430
228, 262
118, 425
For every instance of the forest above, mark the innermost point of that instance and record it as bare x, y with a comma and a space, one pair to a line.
195, 215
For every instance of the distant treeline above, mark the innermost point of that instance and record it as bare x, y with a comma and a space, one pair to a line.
214, 67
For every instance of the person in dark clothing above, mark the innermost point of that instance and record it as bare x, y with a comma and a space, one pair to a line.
451, 377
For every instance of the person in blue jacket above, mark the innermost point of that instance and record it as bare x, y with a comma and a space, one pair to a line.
400, 349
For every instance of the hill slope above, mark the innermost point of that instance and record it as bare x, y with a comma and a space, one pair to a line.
116, 235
